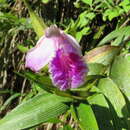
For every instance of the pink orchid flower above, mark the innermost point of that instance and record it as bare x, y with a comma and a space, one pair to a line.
66, 65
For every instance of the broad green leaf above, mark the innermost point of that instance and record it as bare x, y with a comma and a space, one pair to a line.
37, 23
35, 111
103, 55
116, 103
120, 73
101, 111
86, 117
96, 69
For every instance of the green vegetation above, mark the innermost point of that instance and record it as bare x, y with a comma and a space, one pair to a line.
29, 100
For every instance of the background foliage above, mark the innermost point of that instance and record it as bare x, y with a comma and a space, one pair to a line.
102, 29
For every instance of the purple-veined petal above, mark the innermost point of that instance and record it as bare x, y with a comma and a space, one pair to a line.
41, 54
67, 70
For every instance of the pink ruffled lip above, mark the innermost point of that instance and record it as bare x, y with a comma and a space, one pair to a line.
67, 70
63, 53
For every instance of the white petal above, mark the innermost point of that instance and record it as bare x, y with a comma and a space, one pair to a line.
41, 54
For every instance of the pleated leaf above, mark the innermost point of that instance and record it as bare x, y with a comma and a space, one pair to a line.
120, 73
38, 110
86, 117
116, 103
101, 111
96, 69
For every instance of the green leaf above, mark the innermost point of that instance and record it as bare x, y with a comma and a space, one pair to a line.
116, 103
54, 121
81, 33
73, 113
8, 101
126, 5
22, 48
43, 80
111, 2
37, 23
121, 32
101, 111
89, 2
110, 37
111, 13
99, 32
103, 55
45, 1
120, 73
117, 41
90, 15
87, 118
66, 127
2, 1
82, 21
96, 69
35, 111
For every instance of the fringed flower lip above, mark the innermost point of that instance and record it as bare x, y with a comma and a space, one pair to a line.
66, 65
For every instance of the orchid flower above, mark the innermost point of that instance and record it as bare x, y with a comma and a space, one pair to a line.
63, 54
